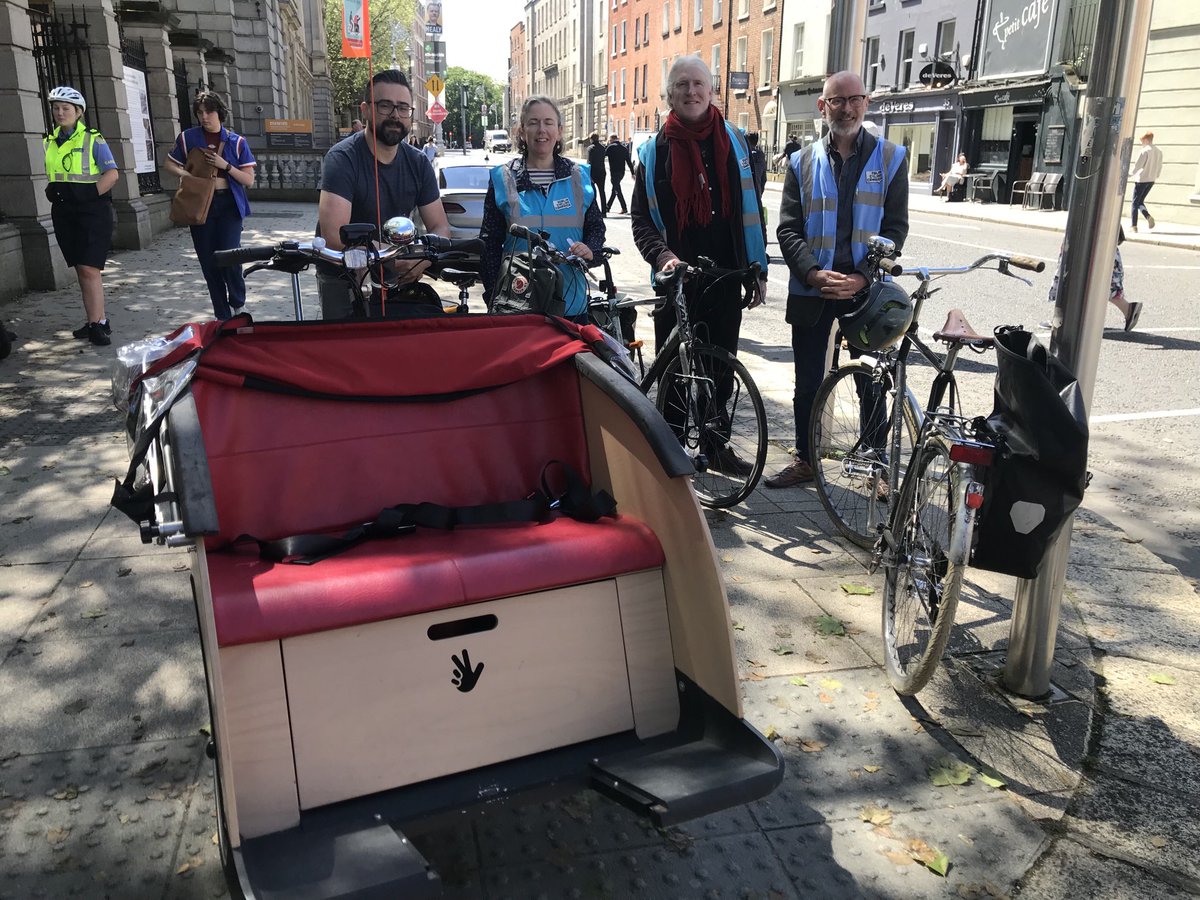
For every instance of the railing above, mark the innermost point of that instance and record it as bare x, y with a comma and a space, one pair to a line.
290, 171
1080, 36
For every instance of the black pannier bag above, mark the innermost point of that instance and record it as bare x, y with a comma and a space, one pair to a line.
528, 285
1040, 472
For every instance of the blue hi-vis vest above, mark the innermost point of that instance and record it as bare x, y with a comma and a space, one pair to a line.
756, 249
819, 191
560, 212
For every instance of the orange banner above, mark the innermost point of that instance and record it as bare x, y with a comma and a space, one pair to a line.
356, 29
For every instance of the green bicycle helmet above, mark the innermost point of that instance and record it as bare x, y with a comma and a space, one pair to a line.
879, 318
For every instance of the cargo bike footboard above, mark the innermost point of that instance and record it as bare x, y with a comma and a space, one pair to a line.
499, 625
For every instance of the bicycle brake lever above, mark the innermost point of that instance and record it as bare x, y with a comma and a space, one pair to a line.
1003, 269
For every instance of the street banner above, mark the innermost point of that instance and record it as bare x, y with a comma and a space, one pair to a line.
356, 29
141, 131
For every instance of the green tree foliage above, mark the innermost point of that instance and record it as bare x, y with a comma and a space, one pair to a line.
391, 20
480, 90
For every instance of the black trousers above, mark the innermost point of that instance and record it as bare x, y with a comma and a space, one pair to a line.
617, 194
598, 184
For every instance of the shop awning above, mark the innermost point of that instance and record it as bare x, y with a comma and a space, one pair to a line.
799, 99
1009, 95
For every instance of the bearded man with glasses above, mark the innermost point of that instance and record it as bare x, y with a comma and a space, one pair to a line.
838, 192
377, 155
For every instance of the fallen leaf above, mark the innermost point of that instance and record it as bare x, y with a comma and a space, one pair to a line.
94, 614
49, 467
737, 627
206, 729
216, 837
824, 697
727, 558
871, 706
948, 771
872, 769
812, 746
798, 681
754, 676
129, 643
862, 590
830, 626
876, 815
871, 695
184, 868
76, 706
772, 733
1159, 842
898, 859
939, 865
782, 650
123, 571
831, 684
180, 567
69, 793
1131, 540
57, 835
123, 818
782, 631
756, 663
87, 584
991, 780
813, 656
1158, 678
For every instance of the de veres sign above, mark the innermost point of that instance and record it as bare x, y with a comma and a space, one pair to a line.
1017, 37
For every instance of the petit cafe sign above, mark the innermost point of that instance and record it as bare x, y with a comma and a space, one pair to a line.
1030, 16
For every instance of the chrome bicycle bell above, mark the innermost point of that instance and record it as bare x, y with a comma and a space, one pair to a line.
399, 230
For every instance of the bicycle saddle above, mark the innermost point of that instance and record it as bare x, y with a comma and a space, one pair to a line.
958, 330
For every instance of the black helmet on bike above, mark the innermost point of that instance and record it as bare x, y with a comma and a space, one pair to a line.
879, 318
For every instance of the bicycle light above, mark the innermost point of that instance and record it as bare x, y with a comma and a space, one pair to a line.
356, 258
974, 495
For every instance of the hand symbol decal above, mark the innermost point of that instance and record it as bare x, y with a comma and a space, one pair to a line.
465, 678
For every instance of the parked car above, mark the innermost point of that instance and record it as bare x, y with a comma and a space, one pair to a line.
463, 182
496, 141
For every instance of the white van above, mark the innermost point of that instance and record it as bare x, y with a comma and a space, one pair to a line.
497, 141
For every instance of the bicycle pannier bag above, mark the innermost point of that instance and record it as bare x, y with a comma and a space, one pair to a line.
194, 196
1040, 471
528, 286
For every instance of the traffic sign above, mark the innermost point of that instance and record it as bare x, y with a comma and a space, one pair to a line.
435, 85
437, 113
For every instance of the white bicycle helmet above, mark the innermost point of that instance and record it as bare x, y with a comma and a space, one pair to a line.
68, 94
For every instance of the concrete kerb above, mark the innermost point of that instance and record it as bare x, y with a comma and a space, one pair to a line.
62, 614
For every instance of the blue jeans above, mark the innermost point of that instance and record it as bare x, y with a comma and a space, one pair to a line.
1140, 190
221, 231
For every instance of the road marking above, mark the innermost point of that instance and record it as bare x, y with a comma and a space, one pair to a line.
1137, 417
957, 226
981, 247
1184, 268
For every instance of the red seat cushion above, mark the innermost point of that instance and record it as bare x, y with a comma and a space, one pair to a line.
255, 600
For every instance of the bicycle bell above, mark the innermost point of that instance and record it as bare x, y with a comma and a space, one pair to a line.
399, 230
881, 245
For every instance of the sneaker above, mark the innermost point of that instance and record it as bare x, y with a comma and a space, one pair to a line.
98, 334
1149, 220
725, 459
1131, 317
1133, 228
84, 330
796, 472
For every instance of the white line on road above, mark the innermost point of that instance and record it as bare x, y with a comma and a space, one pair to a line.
1137, 417
957, 226
934, 237
1184, 268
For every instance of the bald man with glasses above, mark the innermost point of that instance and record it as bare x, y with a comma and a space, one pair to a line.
838, 191
380, 154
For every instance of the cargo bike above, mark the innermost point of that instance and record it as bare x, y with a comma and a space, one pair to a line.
439, 563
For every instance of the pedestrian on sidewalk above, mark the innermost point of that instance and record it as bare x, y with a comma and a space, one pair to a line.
82, 172
1146, 170
1130, 309
789, 148
618, 160
596, 158
430, 149
758, 168
228, 153
693, 196
837, 191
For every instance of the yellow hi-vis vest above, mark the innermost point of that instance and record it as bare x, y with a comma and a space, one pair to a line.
72, 161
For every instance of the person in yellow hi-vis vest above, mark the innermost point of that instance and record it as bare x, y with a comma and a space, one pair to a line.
82, 172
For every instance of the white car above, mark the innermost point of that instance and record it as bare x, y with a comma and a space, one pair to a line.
497, 142
463, 182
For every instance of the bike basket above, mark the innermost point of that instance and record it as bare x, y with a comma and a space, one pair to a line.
527, 286
1039, 473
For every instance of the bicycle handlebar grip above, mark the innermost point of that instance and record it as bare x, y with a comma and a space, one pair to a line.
239, 255
1024, 262
462, 245
669, 278
891, 267
528, 234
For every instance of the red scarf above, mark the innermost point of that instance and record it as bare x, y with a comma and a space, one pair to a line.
688, 180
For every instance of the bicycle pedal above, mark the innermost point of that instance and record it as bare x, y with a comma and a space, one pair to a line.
634, 345
700, 461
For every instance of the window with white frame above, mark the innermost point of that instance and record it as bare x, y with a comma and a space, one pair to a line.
646, 28
797, 49
635, 84
871, 63
623, 71
743, 9
698, 19
768, 5
716, 11
637, 32
615, 42
744, 122
716, 64
624, 34
743, 44
904, 59
945, 40
645, 70
662, 91
766, 71
678, 14
666, 18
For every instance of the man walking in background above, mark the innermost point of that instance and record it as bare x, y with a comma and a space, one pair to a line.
596, 157
618, 160
1146, 170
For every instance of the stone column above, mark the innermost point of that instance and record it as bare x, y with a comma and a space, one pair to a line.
29, 255
112, 117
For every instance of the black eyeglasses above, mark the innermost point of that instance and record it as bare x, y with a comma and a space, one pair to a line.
839, 102
387, 108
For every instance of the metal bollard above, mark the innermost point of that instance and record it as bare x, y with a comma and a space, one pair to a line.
1106, 144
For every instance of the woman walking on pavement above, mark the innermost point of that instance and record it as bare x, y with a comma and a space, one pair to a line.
82, 172
1130, 309
544, 191
229, 154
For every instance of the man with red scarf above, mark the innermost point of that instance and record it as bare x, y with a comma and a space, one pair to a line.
694, 196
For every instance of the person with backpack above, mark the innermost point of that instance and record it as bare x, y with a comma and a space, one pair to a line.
82, 172
596, 159
229, 155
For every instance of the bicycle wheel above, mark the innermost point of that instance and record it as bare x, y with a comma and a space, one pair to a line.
849, 432
717, 411
922, 581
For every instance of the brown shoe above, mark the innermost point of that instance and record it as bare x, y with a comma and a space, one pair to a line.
796, 472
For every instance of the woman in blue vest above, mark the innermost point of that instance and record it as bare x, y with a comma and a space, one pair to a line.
230, 156
543, 190
82, 172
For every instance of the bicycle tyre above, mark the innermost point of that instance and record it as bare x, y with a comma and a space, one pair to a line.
921, 581
845, 474
746, 416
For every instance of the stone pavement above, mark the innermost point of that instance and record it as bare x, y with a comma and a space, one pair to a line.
105, 790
